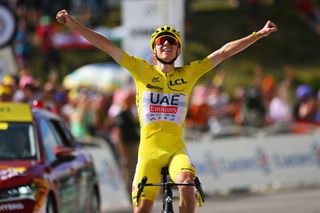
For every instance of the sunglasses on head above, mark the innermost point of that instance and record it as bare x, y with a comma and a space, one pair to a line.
162, 39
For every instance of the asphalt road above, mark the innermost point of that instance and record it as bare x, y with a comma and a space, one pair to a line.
285, 201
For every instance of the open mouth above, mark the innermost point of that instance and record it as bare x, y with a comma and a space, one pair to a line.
167, 51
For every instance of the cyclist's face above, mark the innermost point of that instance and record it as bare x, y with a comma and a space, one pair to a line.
166, 48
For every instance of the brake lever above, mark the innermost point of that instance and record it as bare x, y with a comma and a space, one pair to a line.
140, 189
200, 191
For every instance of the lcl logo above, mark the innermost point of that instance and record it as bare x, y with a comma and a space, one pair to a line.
176, 82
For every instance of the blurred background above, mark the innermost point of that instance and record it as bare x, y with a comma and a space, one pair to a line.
272, 87
208, 24
275, 81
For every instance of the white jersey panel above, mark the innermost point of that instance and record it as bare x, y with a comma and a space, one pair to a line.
158, 106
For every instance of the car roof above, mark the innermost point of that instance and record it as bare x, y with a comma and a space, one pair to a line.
22, 112
44, 113
15, 112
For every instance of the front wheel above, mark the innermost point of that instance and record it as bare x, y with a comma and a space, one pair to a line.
51, 206
94, 205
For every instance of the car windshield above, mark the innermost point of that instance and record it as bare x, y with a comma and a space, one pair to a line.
17, 141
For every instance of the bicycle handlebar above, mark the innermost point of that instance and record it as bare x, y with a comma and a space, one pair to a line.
196, 184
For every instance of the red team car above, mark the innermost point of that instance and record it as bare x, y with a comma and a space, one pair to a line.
42, 168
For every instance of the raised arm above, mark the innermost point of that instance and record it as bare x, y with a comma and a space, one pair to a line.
237, 46
94, 38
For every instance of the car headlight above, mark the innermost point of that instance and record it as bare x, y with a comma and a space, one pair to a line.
20, 191
26, 191
34, 191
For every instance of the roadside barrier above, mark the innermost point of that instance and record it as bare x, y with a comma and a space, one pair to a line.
227, 164
256, 163
112, 188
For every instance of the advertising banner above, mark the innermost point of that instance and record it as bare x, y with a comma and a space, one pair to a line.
7, 61
7, 33
141, 18
257, 163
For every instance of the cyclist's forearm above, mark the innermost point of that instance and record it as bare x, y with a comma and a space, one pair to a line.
231, 49
96, 39
237, 46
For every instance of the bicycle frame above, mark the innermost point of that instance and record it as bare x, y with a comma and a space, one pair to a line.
167, 205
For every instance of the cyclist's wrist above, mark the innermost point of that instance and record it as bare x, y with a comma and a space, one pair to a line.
256, 35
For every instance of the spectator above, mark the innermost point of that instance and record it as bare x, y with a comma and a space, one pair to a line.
280, 108
199, 110
30, 88
79, 117
267, 90
8, 87
126, 137
218, 101
70, 105
11, 82
5, 93
100, 106
236, 104
254, 111
21, 44
305, 106
49, 99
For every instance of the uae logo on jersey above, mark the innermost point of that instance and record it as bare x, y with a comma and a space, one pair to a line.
164, 104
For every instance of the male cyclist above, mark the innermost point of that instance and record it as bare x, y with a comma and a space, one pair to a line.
162, 99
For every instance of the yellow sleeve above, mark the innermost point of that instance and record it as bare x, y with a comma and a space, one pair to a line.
133, 64
198, 68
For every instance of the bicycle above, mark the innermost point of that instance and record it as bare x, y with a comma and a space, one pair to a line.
167, 205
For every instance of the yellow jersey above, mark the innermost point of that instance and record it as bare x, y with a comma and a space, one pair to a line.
162, 98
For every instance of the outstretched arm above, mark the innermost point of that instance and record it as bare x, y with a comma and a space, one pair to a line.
94, 38
236, 46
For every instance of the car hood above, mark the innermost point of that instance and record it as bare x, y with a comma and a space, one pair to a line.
13, 173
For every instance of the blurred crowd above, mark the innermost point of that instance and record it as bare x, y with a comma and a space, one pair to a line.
36, 28
92, 113
265, 102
